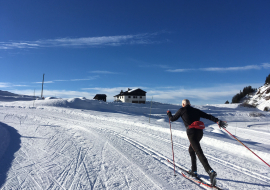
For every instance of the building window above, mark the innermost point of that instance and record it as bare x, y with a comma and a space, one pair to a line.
128, 96
134, 96
140, 97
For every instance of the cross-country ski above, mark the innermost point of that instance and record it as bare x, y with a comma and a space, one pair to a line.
185, 173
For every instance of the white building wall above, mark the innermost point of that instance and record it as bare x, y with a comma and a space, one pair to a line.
129, 100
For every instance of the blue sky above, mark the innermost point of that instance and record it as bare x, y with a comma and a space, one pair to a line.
206, 51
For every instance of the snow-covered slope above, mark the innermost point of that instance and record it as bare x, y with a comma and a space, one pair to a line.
87, 144
9, 97
261, 99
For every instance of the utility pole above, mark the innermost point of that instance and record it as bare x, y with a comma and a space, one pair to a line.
42, 87
34, 98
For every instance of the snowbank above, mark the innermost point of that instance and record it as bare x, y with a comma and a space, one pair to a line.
87, 104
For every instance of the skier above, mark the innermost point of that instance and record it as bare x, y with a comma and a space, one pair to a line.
190, 117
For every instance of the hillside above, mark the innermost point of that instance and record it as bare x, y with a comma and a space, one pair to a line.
261, 98
10, 97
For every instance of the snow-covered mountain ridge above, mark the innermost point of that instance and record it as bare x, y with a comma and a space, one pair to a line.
261, 98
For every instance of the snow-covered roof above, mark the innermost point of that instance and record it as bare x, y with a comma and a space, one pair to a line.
136, 91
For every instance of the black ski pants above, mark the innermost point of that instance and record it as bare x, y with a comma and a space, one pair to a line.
194, 136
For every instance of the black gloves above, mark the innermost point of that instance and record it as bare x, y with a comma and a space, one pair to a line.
222, 124
169, 113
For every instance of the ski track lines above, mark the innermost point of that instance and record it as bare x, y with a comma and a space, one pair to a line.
219, 161
30, 173
207, 140
164, 159
81, 159
139, 181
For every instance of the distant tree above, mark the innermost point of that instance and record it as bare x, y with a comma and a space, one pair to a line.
267, 80
236, 98
247, 90
227, 102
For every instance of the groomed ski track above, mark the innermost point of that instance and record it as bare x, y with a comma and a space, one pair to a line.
63, 148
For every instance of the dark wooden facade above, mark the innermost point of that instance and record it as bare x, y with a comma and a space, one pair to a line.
100, 97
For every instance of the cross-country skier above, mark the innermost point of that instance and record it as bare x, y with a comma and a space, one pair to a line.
189, 116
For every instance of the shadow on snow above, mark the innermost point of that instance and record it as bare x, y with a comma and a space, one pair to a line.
8, 156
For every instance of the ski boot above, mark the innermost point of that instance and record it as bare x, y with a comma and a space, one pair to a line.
193, 174
213, 175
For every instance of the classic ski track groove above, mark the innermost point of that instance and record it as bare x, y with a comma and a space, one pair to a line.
138, 178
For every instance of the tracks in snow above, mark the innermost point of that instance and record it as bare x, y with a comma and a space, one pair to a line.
69, 157
163, 158
76, 127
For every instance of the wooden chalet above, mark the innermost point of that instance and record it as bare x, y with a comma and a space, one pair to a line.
100, 97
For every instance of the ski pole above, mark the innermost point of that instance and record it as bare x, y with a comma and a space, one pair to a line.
246, 147
172, 147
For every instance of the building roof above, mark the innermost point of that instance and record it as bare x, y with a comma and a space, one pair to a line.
100, 95
136, 91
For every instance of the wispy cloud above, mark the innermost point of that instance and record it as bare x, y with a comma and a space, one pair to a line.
8, 85
58, 93
180, 70
45, 82
70, 80
155, 65
82, 79
61, 80
19, 85
4, 85
248, 67
146, 38
103, 72
146, 64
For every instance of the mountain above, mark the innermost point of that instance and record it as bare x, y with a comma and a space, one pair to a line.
6, 96
260, 99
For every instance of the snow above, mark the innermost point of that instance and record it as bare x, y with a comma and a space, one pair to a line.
261, 98
9, 97
79, 143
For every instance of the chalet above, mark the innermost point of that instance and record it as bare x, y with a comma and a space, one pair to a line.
100, 97
131, 96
